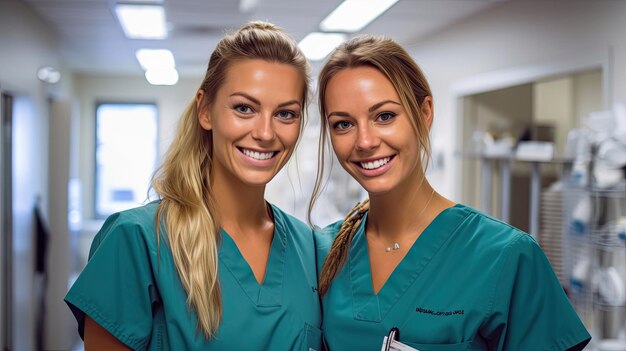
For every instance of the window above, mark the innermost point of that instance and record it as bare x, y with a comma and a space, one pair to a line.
126, 155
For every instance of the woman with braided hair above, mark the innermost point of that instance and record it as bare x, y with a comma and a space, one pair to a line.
211, 265
409, 262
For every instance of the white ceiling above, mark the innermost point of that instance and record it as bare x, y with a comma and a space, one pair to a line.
92, 40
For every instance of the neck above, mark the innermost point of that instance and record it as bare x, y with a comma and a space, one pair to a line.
239, 205
399, 212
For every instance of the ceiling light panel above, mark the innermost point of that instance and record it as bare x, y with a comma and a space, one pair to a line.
318, 45
142, 21
354, 15
168, 76
155, 58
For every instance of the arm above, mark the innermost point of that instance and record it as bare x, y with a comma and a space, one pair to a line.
97, 338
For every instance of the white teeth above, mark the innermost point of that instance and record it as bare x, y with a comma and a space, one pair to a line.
258, 155
375, 164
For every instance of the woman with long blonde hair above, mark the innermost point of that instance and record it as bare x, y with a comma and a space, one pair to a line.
407, 263
210, 264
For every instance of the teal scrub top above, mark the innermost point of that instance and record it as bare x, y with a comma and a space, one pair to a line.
134, 291
469, 282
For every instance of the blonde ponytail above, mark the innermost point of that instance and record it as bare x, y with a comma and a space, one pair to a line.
187, 213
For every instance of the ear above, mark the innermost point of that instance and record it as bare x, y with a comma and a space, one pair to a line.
204, 115
427, 111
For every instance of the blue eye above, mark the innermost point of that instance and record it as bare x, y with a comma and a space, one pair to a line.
243, 108
386, 116
342, 125
286, 114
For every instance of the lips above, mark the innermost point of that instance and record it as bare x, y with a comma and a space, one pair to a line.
370, 165
257, 155
374, 166
373, 163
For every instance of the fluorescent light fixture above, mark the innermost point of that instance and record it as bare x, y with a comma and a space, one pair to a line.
165, 76
354, 15
155, 58
142, 21
318, 45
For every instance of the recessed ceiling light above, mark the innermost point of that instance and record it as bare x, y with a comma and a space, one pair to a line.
318, 45
155, 58
167, 76
354, 15
142, 21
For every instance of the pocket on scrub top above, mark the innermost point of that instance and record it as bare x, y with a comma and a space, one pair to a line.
312, 338
464, 346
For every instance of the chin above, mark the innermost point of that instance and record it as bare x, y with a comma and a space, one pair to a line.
256, 182
376, 188
253, 179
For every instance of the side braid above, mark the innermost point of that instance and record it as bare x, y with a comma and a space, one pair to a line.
341, 245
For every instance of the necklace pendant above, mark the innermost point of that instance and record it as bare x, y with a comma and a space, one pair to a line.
387, 249
396, 246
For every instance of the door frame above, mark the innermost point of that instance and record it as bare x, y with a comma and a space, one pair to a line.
6, 219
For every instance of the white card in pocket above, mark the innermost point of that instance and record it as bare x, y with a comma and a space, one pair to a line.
395, 345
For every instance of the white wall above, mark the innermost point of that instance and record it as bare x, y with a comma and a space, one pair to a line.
60, 331
564, 101
587, 98
27, 43
512, 43
554, 106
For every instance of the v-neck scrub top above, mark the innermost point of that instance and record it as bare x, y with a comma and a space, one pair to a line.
469, 282
132, 289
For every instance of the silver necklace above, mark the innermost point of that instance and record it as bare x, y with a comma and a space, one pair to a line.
396, 246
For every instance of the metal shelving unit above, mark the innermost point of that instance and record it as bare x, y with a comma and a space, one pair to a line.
595, 258
503, 163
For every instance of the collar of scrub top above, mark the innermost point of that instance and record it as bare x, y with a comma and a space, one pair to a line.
371, 307
268, 294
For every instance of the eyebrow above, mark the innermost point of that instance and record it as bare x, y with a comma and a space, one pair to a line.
256, 101
378, 105
370, 110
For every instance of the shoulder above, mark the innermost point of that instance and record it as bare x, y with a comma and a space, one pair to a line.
134, 227
478, 226
490, 239
498, 242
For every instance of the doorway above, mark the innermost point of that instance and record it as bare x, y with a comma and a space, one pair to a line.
544, 110
6, 223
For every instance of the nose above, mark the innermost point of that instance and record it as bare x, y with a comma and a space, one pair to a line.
366, 138
263, 129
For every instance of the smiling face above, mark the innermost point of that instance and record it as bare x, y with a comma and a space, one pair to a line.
254, 119
371, 132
